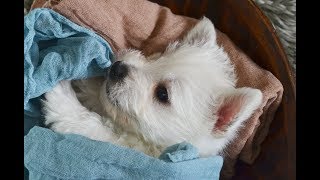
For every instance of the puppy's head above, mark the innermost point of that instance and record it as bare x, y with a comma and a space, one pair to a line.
186, 93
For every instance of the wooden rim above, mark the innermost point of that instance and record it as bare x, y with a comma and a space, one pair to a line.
282, 51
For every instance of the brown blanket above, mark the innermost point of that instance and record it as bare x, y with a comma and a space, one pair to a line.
149, 27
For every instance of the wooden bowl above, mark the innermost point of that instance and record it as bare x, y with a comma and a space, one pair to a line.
251, 31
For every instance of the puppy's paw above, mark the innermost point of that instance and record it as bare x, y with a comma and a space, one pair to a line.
61, 101
62, 87
62, 92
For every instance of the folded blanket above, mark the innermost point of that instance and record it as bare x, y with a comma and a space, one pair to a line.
49, 155
55, 49
149, 27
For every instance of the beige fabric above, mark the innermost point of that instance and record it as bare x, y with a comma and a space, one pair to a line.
149, 27
247, 145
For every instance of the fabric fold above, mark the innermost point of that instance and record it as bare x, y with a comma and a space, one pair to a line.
51, 155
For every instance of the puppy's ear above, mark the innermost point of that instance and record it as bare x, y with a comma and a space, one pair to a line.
234, 108
203, 34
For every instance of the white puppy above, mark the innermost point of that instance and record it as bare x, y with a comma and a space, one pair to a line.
186, 93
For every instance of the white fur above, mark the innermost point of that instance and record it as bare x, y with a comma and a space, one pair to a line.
198, 75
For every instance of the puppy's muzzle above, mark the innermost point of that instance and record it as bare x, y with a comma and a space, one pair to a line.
118, 71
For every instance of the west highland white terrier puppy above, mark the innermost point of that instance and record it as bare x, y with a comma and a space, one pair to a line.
186, 93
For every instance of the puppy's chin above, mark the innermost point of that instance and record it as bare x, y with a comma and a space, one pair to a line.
112, 107
106, 98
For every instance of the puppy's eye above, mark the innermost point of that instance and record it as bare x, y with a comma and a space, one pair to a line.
161, 94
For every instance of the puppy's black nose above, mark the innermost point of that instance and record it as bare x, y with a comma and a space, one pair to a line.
118, 71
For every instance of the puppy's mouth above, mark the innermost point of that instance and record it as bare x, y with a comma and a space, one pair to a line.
116, 75
113, 101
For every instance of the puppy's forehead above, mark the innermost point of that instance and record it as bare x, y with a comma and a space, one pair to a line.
192, 66
172, 69
178, 63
